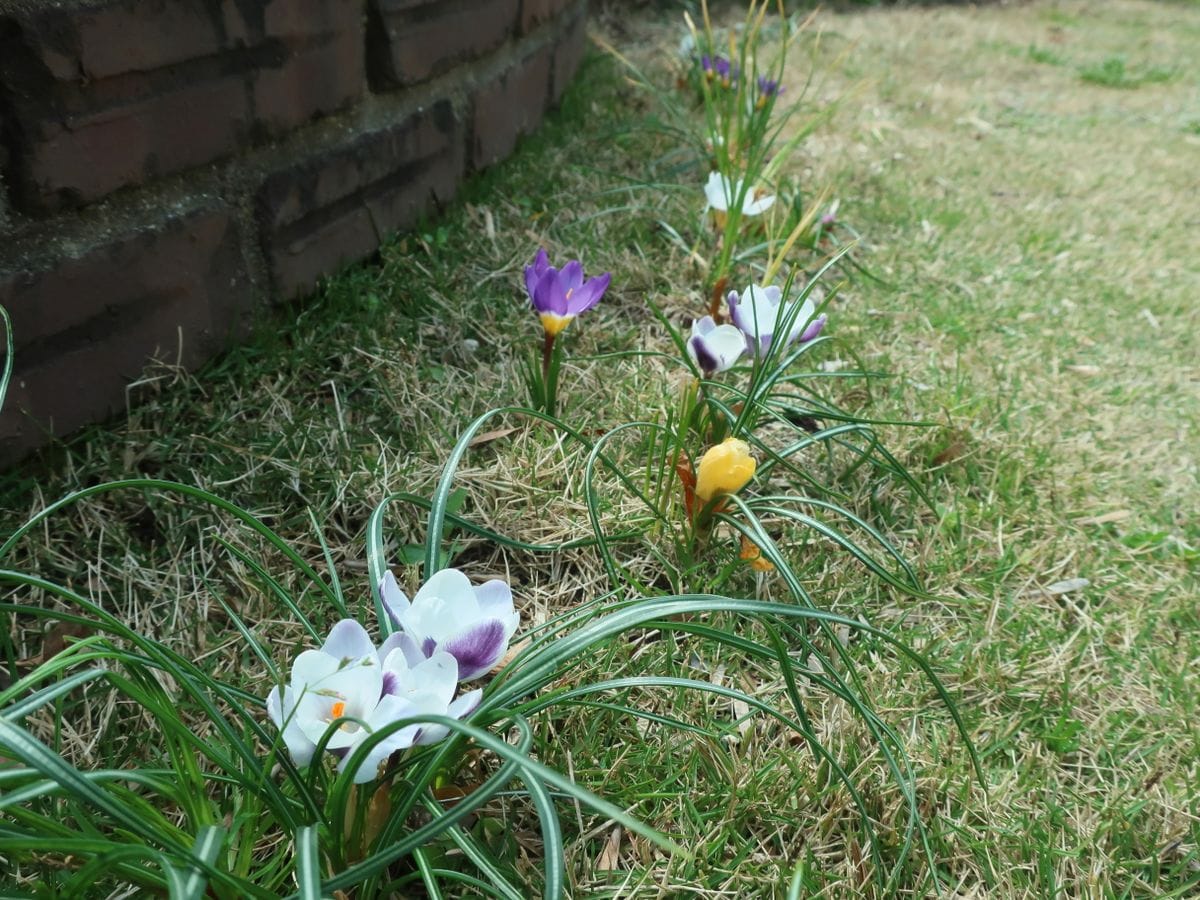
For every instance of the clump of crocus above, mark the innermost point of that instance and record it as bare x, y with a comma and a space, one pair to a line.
557, 296
719, 68
715, 348
724, 469
348, 690
762, 315
721, 193
473, 623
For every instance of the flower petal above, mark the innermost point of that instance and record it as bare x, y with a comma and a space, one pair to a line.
389, 710
348, 641
571, 276
465, 705
477, 649
549, 296
704, 358
282, 711
408, 646
448, 584
814, 328
395, 601
754, 206
313, 667
588, 294
495, 598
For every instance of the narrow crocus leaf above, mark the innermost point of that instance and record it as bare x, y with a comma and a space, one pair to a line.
191, 882
308, 863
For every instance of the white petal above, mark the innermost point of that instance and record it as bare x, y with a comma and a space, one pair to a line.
448, 584
728, 343
403, 641
495, 598
436, 676
806, 313
395, 601
283, 714
756, 206
348, 640
312, 667
389, 710
465, 705
720, 192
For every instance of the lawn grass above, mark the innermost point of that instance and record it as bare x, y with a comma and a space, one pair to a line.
1034, 240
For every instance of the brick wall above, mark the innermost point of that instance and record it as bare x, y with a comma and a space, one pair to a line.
169, 166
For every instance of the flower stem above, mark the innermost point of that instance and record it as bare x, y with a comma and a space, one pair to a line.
547, 354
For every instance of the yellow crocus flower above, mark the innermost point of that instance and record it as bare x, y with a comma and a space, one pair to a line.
724, 469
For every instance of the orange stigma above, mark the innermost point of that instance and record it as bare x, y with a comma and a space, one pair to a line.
338, 710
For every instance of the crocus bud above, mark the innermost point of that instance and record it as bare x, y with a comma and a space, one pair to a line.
724, 469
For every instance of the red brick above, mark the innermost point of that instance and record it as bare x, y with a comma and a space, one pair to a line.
312, 81
179, 256
135, 36
113, 94
83, 158
337, 204
412, 40
85, 324
535, 12
509, 107
86, 384
568, 54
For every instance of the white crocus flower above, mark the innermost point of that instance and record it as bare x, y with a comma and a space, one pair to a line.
760, 312
346, 682
715, 348
722, 192
472, 623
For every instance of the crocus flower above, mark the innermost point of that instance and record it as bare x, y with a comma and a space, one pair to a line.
715, 348
760, 311
349, 680
472, 623
767, 88
721, 192
718, 67
724, 469
558, 296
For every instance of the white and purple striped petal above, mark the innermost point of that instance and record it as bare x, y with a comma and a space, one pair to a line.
761, 314
474, 624
715, 348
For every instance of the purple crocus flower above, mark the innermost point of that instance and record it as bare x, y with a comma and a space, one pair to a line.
768, 87
558, 296
472, 623
760, 311
719, 67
